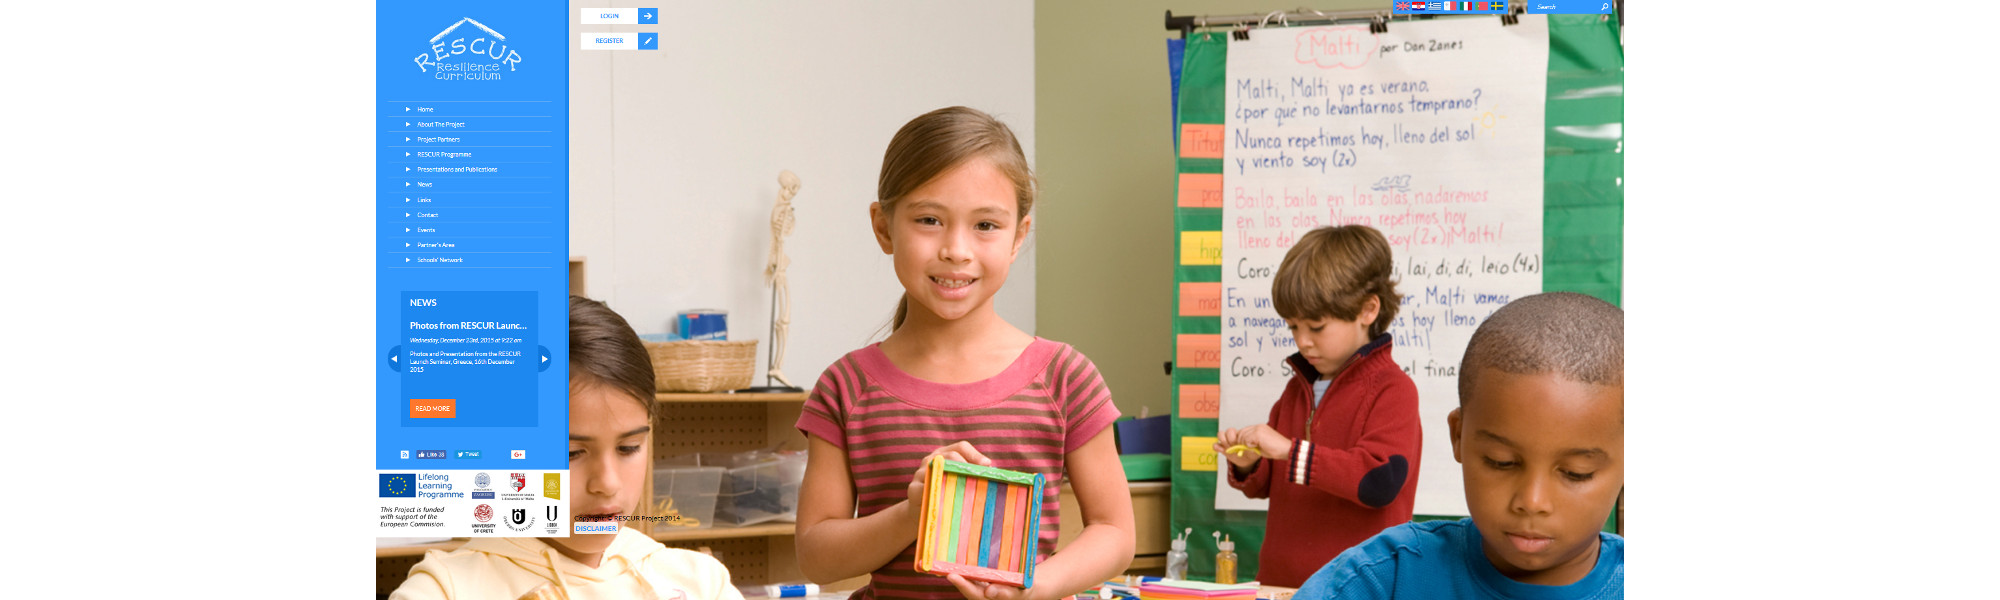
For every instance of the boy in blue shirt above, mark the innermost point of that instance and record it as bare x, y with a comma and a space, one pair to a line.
1540, 430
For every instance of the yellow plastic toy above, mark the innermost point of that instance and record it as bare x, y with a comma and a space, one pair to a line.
1239, 449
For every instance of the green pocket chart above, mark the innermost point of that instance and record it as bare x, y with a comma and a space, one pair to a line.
1426, 133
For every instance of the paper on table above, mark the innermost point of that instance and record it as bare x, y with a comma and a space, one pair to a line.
1202, 586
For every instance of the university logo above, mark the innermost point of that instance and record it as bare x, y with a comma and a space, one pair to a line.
482, 480
483, 512
552, 485
520, 520
519, 480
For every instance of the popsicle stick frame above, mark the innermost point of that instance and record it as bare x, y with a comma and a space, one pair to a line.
980, 522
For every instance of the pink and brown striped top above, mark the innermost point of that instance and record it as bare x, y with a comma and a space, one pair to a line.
1045, 405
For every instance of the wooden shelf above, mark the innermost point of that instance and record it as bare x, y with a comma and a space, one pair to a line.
728, 397
722, 533
1148, 561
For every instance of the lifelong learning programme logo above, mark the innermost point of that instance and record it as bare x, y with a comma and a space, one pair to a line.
483, 54
399, 485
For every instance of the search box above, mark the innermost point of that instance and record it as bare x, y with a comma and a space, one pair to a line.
1568, 7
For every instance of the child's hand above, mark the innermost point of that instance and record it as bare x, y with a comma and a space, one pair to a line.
960, 451
1267, 442
1229, 438
980, 590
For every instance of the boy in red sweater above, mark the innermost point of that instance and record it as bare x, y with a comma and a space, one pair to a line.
1339, 456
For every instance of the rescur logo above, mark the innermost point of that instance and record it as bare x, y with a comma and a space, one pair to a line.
482, 49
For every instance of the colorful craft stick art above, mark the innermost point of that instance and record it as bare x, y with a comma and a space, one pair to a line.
980, 522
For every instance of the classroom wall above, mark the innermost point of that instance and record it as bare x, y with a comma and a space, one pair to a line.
675, 156
1105, 142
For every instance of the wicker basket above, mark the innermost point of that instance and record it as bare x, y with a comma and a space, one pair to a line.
703, 366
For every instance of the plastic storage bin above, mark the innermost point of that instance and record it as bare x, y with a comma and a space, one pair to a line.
757, 486
686, 492
1142, 467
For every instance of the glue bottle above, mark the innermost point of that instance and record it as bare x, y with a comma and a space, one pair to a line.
1225, 561
1177, 557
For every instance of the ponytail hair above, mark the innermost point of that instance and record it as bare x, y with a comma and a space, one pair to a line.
902, 312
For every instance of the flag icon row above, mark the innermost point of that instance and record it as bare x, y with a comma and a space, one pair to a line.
1453, 6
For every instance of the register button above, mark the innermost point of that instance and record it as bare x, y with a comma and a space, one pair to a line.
446, 408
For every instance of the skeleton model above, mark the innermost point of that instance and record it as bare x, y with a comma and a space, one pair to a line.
774, 273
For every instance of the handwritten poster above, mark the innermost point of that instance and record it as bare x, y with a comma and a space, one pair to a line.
1432, 134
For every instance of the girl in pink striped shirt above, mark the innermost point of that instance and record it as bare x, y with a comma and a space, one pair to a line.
955, 380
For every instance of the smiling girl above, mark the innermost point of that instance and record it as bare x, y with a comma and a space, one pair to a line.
954, 380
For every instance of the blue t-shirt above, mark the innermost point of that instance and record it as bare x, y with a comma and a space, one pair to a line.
1443, 559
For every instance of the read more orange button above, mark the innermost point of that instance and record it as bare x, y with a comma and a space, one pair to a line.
446, 408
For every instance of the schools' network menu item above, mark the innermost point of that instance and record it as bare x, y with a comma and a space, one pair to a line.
472, 239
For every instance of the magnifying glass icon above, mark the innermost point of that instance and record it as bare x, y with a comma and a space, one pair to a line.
1607, 6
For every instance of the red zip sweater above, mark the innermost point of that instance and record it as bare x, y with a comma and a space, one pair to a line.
1353, 474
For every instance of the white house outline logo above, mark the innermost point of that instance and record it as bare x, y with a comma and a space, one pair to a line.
493, 49
454, 27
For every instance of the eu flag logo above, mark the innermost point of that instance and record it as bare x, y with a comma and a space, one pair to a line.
399, 485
